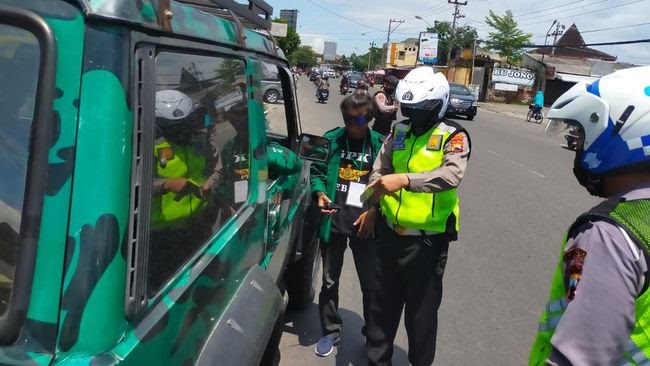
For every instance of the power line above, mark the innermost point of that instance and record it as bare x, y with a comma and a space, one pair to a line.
583, 13
534, 16
343, 17
612, 28
541, 10
647, 40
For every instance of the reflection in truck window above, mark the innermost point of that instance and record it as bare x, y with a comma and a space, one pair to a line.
201, 155
19, 67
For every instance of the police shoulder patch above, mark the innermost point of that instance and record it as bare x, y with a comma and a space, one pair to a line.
574, 260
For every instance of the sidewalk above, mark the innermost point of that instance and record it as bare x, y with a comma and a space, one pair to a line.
510, 110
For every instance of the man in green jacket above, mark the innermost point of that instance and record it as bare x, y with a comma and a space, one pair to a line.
340, 182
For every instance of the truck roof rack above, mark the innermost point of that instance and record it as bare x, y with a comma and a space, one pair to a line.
257, 14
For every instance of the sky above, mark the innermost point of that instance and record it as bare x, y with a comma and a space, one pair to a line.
355, 24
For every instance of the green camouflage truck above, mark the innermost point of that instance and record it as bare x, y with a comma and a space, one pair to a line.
151, 201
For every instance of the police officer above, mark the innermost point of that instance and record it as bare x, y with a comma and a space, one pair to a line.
598, 309
415, 178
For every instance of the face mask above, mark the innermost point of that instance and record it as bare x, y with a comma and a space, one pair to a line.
593, 183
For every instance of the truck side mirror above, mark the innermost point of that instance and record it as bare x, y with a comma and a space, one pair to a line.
314, 148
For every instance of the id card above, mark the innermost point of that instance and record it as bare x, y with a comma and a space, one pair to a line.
354, 194
241, 191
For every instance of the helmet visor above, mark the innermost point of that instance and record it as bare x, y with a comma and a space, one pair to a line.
568, 131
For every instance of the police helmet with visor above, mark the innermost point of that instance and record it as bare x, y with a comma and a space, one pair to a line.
612, 119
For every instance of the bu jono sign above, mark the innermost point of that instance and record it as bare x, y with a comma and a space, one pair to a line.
516, 77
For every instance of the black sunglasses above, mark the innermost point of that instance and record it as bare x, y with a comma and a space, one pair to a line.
360, 120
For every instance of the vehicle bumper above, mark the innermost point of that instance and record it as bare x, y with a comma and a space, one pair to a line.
461, 109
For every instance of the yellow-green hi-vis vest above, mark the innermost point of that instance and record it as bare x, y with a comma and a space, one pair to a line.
430, 212
181, 162
634, 217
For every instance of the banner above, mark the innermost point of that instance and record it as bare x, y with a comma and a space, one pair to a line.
516, 77
428, 49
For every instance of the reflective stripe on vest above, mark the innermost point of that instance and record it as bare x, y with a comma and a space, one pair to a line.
166, 210
433, 212
634, 216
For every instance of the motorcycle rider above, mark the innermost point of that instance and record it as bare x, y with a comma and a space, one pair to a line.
385, 106
322, 84
598, 308
415, 177
538, 101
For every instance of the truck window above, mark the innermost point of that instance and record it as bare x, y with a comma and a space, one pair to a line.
274, 103
201, 156
19, 69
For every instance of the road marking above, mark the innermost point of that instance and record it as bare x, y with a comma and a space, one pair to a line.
522, 166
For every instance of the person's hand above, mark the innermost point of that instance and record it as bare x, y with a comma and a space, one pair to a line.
388, 184
205, 188
175, 185
323, 200
366, 224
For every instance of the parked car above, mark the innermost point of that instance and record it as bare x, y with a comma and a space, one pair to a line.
156, 255
462, 101
272, 90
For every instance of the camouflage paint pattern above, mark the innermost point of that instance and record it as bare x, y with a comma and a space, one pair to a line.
36, 344
81, 256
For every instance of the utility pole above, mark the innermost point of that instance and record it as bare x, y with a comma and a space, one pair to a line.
557, 32
372, 47
452, 37
390, 30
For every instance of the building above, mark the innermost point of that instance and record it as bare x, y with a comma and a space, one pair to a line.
329, 51
291, 16
558, 71
402, 54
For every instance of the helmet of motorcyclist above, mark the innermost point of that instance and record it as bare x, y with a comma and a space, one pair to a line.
361, 84
612, 119
423, 95
172, 106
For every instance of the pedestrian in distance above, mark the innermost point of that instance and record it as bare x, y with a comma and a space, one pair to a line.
599, 304
337, 185
414, 181
385, 106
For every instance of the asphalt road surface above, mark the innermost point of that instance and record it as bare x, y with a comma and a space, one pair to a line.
517, 199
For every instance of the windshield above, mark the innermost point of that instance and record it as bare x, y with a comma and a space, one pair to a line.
459, 89
19, 68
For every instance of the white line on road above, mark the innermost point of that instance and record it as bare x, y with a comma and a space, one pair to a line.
522, 166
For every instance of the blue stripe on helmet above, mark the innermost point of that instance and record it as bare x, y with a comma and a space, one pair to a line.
594, 88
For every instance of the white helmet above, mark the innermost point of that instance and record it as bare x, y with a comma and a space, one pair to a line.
613, 113
173, 105
423, 89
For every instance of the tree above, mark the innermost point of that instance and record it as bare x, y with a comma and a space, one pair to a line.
291, 42
507, 39
303, 57
464, 38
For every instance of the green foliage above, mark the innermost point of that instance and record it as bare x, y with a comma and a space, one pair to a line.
464, 38
303, 57
360, 62
507, 39
290, 43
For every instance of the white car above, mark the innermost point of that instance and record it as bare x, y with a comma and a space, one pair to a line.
329, 73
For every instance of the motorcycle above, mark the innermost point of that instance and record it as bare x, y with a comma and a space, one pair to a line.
323, 95
534, 113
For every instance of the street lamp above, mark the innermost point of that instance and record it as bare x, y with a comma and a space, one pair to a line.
424, 20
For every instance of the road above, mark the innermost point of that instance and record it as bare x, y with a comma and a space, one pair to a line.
517, 199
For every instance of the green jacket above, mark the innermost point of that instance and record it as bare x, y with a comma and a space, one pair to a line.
324, 176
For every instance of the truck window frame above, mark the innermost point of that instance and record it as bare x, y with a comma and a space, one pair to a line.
37, 167
147, 48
